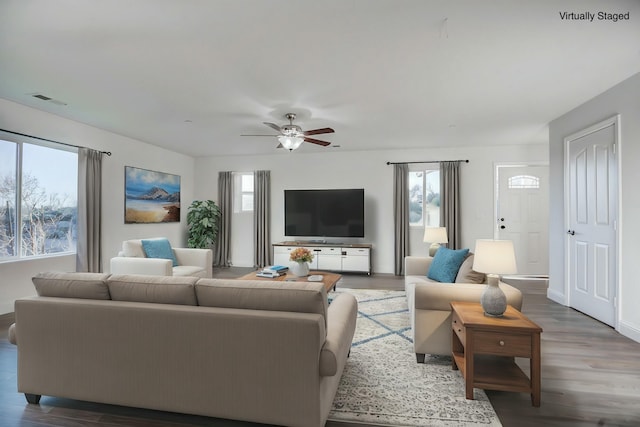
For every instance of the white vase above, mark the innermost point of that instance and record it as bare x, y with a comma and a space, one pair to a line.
300, 269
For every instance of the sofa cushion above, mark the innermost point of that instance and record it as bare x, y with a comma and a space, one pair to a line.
189, 270
159, 248
133, 249
446, 263
155, 289
300, 297
72, 285
466, 273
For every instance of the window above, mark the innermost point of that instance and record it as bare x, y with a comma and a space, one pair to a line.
44, 180
8, 223
524, 181
424, 198
243, 184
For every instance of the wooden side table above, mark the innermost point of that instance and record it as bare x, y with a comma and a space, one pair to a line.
484, 349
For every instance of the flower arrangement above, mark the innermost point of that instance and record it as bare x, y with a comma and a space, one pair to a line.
301, 255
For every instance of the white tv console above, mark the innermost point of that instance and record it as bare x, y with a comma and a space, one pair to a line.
337, 257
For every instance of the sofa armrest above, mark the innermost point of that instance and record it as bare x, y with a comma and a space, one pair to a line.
148, 266
438, 296
341, 325
13, 339
416, 265
195, 257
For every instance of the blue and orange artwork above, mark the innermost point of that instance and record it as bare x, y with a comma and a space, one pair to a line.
150, 196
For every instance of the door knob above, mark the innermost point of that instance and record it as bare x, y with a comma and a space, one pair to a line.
571, 232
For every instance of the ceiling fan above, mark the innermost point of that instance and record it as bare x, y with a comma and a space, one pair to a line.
291, 136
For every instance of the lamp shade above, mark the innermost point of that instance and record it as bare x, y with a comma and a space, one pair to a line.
435, 235
495, 257
290, 142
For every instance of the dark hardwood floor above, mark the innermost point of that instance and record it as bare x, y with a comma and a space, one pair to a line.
590, 376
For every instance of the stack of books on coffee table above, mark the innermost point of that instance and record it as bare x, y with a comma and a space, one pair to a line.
273, 271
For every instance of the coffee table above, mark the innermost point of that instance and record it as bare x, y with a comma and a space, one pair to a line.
329, 280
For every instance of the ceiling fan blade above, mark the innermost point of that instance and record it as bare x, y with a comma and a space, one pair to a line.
280, 146
319, 131
317, 141
273, 126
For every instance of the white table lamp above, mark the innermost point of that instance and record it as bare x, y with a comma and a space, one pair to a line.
494, 257
435, 236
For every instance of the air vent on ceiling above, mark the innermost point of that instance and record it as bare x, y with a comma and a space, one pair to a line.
47, 98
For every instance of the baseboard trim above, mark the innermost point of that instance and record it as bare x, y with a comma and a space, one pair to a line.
629, 331
556, 296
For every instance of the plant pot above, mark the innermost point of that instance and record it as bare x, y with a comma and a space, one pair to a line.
300, 269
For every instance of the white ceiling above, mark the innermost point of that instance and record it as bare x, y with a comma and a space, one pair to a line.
192, 75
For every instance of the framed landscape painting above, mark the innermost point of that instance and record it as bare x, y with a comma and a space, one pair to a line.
150, 196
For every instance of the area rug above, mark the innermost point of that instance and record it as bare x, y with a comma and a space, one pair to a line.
382, 383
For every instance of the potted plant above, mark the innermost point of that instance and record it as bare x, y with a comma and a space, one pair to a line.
301, 258
203, 220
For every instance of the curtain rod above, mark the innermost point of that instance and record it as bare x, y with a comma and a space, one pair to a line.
108, 153
427, 161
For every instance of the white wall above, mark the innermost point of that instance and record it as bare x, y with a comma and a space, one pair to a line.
368, 170
622, 99
15, 277
329, 169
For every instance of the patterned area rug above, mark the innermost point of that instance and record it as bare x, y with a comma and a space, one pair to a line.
383, 385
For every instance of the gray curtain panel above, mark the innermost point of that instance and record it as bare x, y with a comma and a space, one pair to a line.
262, 218
225, 203
400, 215
89, 252
450, 202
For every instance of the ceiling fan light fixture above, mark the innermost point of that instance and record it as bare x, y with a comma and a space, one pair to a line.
290, 142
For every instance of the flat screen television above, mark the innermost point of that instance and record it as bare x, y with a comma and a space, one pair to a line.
324, 213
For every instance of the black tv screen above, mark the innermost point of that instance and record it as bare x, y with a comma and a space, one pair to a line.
324, 213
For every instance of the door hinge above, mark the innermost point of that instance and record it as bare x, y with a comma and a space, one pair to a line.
614, 148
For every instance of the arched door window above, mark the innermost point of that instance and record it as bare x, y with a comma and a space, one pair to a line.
524, 181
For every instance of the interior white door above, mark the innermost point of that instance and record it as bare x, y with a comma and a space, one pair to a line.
592, 221
523, 215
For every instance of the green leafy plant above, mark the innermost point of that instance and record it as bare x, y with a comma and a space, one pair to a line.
203, 221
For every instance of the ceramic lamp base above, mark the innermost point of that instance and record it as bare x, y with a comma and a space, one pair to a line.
433, 249
493, 299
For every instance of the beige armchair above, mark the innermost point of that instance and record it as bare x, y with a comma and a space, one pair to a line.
429, 303
191, 262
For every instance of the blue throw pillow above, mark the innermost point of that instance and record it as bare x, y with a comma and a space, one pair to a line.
159, 248
446, 263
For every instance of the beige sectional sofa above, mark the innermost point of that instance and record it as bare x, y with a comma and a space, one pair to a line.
429, 302
268, 352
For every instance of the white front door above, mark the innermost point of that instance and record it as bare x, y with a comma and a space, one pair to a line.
592, 189
522, 215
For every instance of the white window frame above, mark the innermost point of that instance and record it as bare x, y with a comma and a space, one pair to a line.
240, 192
424, 168
20, 140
